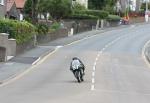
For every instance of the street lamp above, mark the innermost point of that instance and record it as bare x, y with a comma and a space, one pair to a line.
146, 11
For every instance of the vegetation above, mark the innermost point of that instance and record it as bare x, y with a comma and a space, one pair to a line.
113, 18
56, 8
101, 4
143, 6
42, 29
90, 14
21, 31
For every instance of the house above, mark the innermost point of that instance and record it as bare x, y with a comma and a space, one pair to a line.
20, 5
82, 2
2, 8
11, 10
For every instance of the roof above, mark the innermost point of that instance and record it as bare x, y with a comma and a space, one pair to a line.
20, 3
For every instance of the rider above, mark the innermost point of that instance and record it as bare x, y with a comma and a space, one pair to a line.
77, 62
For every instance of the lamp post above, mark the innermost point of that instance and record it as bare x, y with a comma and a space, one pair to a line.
146, 11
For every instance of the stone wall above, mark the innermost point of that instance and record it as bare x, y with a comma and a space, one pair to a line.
52, 36
20, 48
7, 47
80, 25
2, 54
4, 45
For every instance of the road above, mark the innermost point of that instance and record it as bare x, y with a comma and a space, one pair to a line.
115, 72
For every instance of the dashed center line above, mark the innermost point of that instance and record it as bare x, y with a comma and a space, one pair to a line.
97, 57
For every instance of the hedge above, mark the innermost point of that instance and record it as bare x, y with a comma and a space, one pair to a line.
22, 31
97, 13
82, 16
113, 18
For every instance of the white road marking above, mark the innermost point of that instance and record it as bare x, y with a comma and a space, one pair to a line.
96, 58
94, 68
95, 64
98, 55
92, 87
36, 61
93, 74
93, 80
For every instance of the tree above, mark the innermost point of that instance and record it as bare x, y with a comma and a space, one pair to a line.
101, 4
59, 8
34, 10
30, 9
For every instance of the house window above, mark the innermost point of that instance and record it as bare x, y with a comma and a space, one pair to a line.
2, 2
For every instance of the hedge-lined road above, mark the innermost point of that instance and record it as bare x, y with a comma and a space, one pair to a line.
115, 72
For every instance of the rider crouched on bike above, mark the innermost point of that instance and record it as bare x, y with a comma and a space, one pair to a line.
76, 63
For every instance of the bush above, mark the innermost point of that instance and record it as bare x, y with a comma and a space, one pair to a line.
21, 31
82, 16
55, 26
113, 18
42, 29
97, 13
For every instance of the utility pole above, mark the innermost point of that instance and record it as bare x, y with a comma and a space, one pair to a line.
146, 12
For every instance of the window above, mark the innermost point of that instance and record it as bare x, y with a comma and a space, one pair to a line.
2, 2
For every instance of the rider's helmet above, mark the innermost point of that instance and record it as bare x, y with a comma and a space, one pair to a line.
74, 58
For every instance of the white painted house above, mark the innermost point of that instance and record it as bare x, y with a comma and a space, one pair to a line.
83, 2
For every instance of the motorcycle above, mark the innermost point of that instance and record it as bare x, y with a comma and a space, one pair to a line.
78, 73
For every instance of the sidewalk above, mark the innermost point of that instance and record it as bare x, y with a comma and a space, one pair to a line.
21, 63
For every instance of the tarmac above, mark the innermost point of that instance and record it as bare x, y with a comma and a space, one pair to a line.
23, 62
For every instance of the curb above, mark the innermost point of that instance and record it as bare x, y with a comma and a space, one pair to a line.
144, 55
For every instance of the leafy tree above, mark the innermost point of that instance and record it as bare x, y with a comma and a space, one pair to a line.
30, 9
101, 4
59, 8
77, 7
56, 8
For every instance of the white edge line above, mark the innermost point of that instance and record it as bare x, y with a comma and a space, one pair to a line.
36, 61
92, 87
143, 54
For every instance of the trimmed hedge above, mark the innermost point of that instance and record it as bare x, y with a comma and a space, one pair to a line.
21, 31
82, 16
113, 18
96, 13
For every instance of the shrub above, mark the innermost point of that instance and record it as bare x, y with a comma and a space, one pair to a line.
21, 31
113, 18
77, 7
82, 16
55, 26
42, 29
97, 13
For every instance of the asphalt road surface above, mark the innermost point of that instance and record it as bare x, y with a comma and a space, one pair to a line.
115, 72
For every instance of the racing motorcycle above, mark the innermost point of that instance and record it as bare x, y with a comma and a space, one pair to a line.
78, 73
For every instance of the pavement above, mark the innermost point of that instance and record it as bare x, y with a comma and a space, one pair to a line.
23, 62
